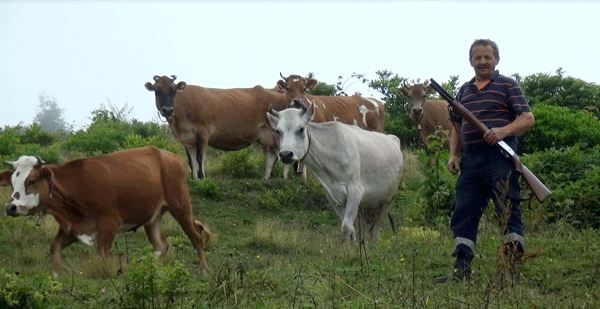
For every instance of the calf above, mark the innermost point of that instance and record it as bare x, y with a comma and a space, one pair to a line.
94, 198
360, 170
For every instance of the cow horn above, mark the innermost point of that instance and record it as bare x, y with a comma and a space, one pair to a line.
39, 161
156, 77
173, 77
284, 78
273, 112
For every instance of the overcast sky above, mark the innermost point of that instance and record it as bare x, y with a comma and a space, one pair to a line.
87, 53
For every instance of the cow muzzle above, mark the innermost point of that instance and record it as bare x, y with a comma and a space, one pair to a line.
286, 156
11, 210
166, 111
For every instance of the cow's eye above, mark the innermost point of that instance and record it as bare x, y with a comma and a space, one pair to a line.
30, 183
300, 131
277, 132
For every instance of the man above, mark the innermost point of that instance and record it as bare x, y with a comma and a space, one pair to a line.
498, 102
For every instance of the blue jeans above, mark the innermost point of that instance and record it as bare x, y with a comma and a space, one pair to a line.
483, 176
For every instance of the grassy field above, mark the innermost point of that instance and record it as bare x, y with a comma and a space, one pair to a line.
277, 245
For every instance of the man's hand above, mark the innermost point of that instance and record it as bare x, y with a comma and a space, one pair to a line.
494, 135
453, 164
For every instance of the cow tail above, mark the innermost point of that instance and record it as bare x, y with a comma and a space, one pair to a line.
204, 232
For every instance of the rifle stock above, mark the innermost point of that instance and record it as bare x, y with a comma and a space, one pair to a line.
537, 187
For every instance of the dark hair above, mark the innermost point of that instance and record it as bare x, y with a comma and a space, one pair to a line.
485, 42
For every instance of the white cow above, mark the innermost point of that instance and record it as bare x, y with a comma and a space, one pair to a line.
360, 170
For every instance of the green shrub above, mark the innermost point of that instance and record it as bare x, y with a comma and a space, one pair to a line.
34, 134
206, 187
573, 176
150, 285
438, 186
100, 137
26, 292
239, 164
8, 142
160, 141
558, 126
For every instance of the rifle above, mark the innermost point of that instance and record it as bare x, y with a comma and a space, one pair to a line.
537, 187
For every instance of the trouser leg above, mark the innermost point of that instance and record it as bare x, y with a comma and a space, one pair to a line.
471, 198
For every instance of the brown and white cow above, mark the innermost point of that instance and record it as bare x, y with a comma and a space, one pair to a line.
94, 198
226, 119
427, 115
366, 113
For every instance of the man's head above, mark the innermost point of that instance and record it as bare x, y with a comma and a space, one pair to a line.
484, 57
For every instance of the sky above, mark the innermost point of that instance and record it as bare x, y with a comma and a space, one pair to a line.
85, 54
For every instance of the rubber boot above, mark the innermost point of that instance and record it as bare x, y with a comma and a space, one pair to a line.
462, 269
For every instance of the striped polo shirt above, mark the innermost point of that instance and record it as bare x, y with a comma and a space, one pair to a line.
496, 105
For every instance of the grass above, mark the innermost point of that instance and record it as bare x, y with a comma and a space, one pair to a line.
278, 246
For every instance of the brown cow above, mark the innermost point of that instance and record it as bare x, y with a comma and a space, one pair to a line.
427, 115
94, 198
366, 113
226, 119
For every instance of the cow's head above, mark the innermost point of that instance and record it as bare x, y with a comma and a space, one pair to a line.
295, 86
416, 96
165, 90
291, 130
30, 181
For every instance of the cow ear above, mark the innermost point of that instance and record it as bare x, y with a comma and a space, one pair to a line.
311, 83
46, 174
273, 117
149, 86
5, 177
430, 90
281, 84
402, 91
310, 113
180, 86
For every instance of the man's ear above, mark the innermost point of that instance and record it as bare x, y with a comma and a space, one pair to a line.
5, 177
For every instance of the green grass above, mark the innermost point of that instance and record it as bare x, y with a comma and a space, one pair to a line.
277, 245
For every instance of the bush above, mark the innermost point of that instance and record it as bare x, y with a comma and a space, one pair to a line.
239, 164
162, 142
100, 137
573, 176
558, 126
25, 292
152, 286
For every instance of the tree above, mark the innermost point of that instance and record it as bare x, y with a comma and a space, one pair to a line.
561, 90
49, 116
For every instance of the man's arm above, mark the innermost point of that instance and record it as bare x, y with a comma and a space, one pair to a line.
523, 122
453, 161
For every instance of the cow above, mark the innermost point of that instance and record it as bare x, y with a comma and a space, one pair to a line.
427, 115
225, 119
94, 198
360, 170
366, 113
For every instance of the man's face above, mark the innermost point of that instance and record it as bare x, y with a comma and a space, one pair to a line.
483, 60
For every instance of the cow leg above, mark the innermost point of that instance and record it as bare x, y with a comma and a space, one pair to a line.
191, 152
353, 198
201, 144
271, 158
107, 229
156, 236
195, 231
61, 240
